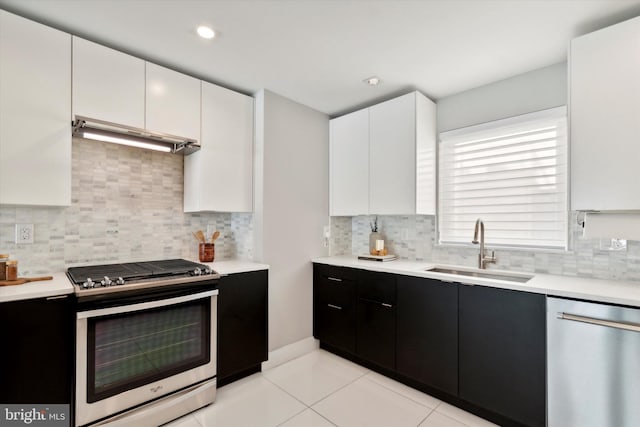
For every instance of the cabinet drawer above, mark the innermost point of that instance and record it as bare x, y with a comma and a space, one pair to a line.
380, 287
334, 285
330, 272
338, 293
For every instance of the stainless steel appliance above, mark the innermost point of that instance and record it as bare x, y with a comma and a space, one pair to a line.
145, 341
593, 364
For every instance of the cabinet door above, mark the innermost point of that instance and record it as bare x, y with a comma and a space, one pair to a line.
219, 177
502, 352
392, 156
107, 84
172, 102
35, 110
242, 322
427, 348
334, 297
425, 155
349, 164
605, 118
376, 319
37, 358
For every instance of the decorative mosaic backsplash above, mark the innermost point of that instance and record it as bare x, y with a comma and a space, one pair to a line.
126, 206
414, 237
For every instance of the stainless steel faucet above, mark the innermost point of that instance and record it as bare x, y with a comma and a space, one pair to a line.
482, 260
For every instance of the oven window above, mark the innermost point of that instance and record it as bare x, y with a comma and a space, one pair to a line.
128, 350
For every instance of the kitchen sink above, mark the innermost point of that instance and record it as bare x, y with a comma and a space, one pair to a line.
482, 274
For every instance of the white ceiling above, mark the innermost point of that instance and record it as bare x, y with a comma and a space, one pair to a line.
318, 52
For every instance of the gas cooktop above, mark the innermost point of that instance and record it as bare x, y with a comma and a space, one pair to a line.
137, 275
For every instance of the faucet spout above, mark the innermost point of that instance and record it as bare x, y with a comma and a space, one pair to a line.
479, 226
482, 259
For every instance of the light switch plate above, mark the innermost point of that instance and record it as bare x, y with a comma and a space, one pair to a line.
24, 233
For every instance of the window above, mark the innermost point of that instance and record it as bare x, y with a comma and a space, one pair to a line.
512, 173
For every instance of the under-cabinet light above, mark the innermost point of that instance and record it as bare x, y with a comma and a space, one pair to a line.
124, 141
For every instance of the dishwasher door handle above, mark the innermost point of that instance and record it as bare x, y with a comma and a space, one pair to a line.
633, 327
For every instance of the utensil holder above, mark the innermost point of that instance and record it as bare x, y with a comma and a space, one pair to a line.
207, 252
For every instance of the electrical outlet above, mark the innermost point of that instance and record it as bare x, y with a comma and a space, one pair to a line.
24, 233
326, 234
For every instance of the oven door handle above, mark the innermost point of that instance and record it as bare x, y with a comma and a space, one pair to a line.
144, 305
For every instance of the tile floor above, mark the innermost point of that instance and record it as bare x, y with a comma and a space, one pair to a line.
320, 389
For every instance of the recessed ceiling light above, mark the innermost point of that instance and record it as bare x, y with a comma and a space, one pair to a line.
205, 32
372, 81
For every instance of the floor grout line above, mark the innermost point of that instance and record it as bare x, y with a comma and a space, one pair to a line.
338, 389
294, 415
425, 418
328, 420
278, 386
407, 397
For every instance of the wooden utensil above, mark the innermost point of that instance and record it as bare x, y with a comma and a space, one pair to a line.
215, 236
23, 280
199, 235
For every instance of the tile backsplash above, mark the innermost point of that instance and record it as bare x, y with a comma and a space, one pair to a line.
413, 237
126, 206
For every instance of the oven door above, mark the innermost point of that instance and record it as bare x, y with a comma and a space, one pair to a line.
130, 354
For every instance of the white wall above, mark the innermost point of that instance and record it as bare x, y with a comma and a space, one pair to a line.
291, 208
532, 91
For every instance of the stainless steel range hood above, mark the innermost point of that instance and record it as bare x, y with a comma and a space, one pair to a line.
100, 130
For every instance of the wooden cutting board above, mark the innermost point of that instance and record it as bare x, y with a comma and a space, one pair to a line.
23, 280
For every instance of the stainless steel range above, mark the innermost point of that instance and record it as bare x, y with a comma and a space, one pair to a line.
145, 341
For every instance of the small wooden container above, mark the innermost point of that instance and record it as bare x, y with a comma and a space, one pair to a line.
207, 252
11, 270
3, 266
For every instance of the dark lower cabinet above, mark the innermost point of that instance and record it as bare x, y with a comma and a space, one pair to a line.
334, 306
376, 319
427, 343
242, 324
502, 366
480, 348
36, 360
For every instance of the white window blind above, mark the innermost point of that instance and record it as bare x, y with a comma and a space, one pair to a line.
512, 173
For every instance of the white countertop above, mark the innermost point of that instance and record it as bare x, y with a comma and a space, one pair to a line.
235, 266
608, 291
60, 285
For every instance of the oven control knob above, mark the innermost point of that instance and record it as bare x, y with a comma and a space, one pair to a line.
88, 284
208, 271
197, 271
119, 281
106, 281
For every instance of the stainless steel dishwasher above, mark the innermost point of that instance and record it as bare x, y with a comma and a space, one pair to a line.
593, 364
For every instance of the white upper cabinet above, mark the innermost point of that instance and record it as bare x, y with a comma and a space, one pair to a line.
402, 156
219, 177
349, 164
107, 84
35, 106
426, 155
172, 102
383, 159
605, 118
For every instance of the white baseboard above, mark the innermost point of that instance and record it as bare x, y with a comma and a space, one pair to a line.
290, 352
